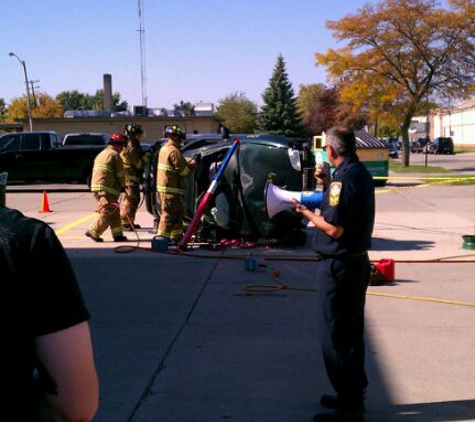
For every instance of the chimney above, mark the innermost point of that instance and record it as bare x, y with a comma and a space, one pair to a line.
107, 92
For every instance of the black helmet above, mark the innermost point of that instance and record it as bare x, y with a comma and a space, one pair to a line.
118, 139
133, 129
175, 130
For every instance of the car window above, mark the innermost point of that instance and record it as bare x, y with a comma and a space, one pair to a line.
30, 141
85, 139
196, 144
10, 143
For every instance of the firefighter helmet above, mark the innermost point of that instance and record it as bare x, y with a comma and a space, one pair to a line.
175, 130
118, 139
131, 129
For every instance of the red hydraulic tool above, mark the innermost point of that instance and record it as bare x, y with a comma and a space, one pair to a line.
207, 197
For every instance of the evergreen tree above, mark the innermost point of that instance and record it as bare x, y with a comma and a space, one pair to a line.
279, 115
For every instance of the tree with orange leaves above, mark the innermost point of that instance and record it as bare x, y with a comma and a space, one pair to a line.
44, 107
400, 53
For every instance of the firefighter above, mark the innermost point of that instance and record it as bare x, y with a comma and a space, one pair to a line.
134, 160
172, 169
108, 179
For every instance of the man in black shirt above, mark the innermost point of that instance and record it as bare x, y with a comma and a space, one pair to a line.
48, 369
342, 239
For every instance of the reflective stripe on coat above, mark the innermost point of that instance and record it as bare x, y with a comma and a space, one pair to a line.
108, 172
172, 168
133, 163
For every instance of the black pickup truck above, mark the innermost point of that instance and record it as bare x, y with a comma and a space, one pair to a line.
40, 156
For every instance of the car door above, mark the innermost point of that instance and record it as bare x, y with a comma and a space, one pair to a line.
32, 157
60, 166
9, 150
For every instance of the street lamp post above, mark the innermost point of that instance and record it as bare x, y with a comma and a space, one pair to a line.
427, 130
11, 54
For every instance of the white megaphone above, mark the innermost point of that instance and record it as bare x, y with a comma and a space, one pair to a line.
278, 199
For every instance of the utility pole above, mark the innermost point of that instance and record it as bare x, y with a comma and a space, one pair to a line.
33, 86
142, 53
450, 117
427, 130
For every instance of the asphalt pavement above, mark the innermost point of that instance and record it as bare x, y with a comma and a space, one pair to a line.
194, 337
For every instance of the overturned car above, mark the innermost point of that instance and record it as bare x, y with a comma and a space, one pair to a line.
238, 208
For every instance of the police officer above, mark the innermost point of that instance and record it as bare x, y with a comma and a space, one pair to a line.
343, 237
134, 160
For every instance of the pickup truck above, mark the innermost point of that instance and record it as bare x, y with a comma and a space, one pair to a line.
93, 138
40, 156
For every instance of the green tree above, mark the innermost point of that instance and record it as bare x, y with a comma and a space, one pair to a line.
71, 100
237, 113
75, 100
399, 53
306, 100
97, 101
279, 114
187, 108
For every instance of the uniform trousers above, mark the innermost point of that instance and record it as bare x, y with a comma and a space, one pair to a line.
342, 285
130, 203
171, 216
108, 215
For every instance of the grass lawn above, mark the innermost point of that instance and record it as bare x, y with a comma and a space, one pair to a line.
460, 179
397, 167
461, 150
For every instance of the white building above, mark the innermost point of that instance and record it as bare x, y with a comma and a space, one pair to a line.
457, 121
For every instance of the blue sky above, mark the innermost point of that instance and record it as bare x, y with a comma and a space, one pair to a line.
194, 50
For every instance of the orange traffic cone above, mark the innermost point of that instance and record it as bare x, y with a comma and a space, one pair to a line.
45, 203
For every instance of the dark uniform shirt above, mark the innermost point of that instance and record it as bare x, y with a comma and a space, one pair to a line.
348, 202
40, 295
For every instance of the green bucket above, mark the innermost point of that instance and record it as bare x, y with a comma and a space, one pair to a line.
468, 241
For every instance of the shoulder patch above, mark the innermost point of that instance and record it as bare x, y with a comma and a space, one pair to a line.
335, 190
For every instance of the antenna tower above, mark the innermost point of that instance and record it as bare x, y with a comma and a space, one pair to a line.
142, 53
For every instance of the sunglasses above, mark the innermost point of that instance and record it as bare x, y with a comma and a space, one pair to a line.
324, 148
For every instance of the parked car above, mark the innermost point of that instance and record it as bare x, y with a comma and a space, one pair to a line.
443, 145
394, 143
258, 159
94, 138
40, 156
393, 152
420, 144
392, 149
428, 148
